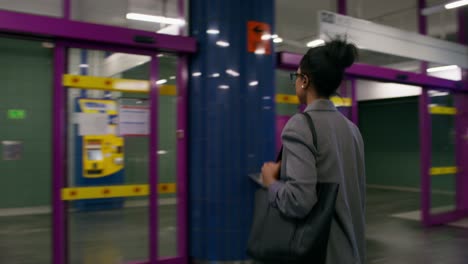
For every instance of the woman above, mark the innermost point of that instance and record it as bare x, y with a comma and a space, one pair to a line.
339, 156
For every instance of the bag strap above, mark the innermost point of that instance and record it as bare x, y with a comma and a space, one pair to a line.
280, 155
311, 125
310, 122
335, 214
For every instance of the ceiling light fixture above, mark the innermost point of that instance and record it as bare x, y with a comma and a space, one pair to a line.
266, 36
260, 51
162, 81
170, 30
232, 73
277, 40
155, 19
456, 4
253, 83
442, 68
316, 43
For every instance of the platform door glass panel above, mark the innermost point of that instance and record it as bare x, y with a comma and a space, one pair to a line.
443, 164
26, 81
108, 161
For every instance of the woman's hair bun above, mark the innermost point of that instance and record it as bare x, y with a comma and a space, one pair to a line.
325, 65
341, 53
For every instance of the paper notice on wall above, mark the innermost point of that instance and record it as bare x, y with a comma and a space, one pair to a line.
12, 150
92, 124
133, 120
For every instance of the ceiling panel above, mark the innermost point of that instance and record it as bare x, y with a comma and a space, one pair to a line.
296, 22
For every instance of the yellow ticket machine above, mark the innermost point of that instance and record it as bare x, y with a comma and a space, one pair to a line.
99, 150
102, 156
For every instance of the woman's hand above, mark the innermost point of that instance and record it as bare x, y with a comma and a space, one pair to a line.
270, 173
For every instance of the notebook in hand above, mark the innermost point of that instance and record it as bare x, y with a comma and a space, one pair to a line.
257, 177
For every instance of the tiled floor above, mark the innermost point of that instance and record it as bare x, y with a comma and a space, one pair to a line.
107, 237
118, 236
391, 240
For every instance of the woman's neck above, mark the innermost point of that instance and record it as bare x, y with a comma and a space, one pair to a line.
311, 97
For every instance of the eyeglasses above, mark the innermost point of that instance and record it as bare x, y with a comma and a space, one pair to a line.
294, 75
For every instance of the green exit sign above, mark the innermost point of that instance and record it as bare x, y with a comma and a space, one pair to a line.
16, 114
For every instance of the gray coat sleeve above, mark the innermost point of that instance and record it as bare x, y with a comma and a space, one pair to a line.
295, 194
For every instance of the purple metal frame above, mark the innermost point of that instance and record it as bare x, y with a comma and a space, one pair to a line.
290, 61
342, 7
67, 9
81, 31
106, 47
354, 99
425, 133
425, 163
384, 74
59, 240
422, 21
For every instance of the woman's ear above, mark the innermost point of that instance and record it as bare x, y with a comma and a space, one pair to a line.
305, 81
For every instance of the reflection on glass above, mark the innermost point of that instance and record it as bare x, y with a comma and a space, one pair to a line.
222, 43
232, 72
167, 158
212, 31
95, 154
161, 16
253, 83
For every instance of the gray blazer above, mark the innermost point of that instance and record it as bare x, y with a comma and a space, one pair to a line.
340, 158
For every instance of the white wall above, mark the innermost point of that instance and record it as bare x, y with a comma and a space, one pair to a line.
120, 62
39, 7
371, 90
455, 75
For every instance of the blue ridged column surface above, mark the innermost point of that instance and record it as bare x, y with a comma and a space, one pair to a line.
232, 125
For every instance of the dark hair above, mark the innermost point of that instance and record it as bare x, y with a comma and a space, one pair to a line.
325, 65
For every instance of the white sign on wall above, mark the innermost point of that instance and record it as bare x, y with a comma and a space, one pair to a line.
384, 39
133, 120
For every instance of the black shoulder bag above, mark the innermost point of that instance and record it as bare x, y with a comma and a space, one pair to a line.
277, 238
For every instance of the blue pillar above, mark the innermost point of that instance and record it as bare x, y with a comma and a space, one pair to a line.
232, 124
